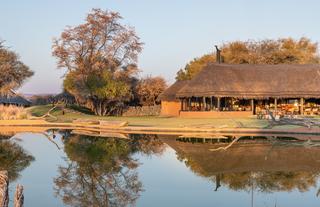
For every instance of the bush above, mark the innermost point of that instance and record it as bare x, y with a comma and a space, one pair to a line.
12, 112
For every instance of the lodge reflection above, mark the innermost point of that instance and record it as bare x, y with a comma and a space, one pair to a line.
102, 171
13, 158
266, 164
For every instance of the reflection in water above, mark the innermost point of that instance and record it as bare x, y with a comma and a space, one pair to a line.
13, 158
101, 171
259, 163
6, 135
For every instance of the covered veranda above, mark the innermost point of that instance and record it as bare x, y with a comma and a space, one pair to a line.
224, 106
222, 90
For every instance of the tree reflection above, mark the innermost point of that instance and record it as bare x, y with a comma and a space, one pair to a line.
6, 135
270, 181
13, 158
147, 144
102, 171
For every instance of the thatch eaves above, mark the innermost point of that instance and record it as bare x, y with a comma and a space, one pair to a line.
170, 93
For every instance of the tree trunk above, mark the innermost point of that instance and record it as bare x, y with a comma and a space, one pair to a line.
18, 196
96, 106
4, 186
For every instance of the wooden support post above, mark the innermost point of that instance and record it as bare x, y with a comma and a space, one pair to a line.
18, 196
204, 104
182, 104
275, 105
211, 103
231, 104
189, 107
218, 103
4, 188
252, 107
186, 104
301, 106
181, 101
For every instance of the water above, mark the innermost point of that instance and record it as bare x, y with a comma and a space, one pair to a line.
61, 168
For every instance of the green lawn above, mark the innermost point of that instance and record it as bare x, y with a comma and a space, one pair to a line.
151, 120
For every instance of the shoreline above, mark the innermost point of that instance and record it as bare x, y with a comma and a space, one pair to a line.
31, 125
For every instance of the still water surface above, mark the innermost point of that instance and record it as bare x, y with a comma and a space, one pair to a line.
161, 170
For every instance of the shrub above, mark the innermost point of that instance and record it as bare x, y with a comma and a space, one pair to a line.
12, 112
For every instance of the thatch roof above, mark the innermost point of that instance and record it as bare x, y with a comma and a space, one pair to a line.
255, 81
170, 93
14, 99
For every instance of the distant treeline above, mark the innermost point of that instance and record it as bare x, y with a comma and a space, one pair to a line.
268, 51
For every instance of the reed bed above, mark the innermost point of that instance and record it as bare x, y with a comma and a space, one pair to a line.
12, 112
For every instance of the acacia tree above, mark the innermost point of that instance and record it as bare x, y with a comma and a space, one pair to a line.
280, 51
148, 89
100, 56
13, 71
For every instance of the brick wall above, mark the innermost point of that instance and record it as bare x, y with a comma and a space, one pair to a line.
142, 111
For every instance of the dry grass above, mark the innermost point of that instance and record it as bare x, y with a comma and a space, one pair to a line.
12, 112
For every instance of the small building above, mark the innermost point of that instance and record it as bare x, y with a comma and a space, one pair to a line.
241, 90
12, 98
170, 103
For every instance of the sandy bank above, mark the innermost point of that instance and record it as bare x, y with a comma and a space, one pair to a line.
29, 125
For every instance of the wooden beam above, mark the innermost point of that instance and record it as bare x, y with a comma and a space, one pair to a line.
218, 103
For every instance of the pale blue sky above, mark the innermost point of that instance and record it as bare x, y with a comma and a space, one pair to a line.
174, 31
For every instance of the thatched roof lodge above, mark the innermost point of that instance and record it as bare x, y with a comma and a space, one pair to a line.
12, 98
245, 89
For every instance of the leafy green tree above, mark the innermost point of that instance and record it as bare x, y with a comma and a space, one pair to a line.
100, 56
103, 92
13, 71
280, 51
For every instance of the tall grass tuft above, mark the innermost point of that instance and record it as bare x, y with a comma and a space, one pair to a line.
12, 112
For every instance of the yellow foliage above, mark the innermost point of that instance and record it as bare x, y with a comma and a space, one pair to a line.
280, 51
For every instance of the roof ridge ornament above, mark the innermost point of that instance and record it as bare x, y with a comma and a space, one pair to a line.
218, 55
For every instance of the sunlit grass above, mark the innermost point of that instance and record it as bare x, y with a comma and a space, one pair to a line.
12, 112
152, 121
